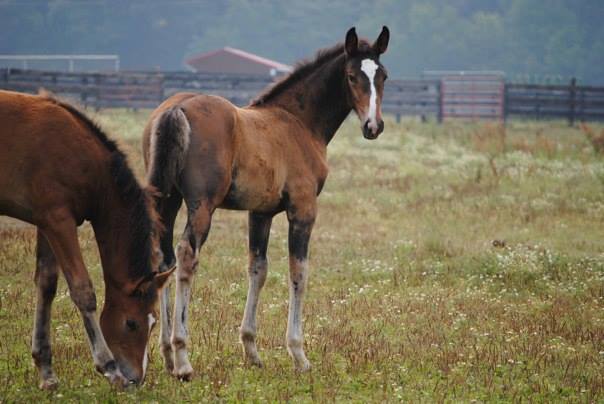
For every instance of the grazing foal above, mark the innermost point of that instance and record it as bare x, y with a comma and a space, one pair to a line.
57, 169
266, 158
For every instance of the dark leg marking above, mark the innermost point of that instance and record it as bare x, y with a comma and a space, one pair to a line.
298, 241
259, 231
299, 237
90, 330
46, 283
168, 209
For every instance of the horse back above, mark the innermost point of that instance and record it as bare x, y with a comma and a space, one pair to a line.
46, 159
244, 158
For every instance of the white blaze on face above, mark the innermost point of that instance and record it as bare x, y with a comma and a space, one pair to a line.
369, 67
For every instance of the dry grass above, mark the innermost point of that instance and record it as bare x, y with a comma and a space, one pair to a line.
596, 140
449, 263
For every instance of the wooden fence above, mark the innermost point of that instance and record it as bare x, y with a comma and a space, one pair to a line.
451, 96
412, 97
473, 96
571, 102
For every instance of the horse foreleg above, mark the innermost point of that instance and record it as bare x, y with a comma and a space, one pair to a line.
165, 328
259, 230
46, 285
61, 233
168, 209
195, 234
300, 227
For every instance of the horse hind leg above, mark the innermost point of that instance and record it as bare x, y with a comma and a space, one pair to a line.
195, 234
259, 230
46, 277
168, 209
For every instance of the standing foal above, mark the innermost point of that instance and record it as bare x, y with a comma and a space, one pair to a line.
265, 158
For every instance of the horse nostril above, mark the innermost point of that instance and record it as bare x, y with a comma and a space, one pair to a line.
381, 127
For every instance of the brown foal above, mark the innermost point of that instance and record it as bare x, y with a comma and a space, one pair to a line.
265, 158
57, 169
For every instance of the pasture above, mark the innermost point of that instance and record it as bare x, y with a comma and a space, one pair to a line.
452, 262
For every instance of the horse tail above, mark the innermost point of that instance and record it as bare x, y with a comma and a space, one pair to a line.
170, 137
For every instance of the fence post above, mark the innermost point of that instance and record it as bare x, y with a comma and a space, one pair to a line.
439, 88
505, 102
162, 88
84, 92
573, 96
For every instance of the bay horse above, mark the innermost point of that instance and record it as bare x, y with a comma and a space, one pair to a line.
57, 169
265, 158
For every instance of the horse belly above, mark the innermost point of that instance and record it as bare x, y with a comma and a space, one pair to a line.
14, 196
259, 191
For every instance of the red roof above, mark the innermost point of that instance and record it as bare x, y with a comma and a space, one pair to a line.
197, 62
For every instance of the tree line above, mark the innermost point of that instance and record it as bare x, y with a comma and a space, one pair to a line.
527, 39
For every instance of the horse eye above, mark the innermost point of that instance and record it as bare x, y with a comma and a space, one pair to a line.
352, 78
131, 324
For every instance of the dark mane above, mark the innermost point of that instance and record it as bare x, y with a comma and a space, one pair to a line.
302, 70
143, 221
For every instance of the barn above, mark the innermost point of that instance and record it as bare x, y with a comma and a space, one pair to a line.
235, 61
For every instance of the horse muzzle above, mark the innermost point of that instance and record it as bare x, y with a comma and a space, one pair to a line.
372, 131
133, 378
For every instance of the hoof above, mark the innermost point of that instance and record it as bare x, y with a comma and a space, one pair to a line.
49, 384
117, 380
297, 353
303, 366
185, 373
254, 361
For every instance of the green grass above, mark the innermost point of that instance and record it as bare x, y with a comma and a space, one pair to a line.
449, 263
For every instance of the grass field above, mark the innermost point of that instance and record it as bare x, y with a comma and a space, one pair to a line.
452, 263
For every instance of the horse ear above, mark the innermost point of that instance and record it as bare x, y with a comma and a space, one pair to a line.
381, 43
158, 279
351, 45
162, 278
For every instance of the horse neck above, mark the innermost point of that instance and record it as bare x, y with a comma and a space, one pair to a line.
113, 236
320, 100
